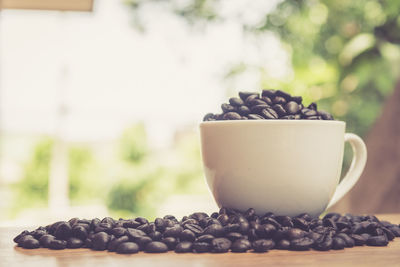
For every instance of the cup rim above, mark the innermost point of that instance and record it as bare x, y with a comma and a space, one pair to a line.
272, 122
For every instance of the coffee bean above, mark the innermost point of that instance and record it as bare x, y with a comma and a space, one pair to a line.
80, 232
297, 99
243, 110
241, 245
63, 231
205, 238
45, 240
279, 110
295, 233
196, 229
223, 219
187, 235
58, 244
263, 245
201, 247
173, 231
30, 243
255, 117
156, 247
220, 245
233, 236
112, 245
395, 230
338, 243
118, 231
134, 233
358, 240
245, 95
300, 223
22, 234
283, 244
267, 100
324, 243
308, 112
143, 241
74, 242
156, 236
184, 247
127, 248
303, 243
171, 242
232, 116
234, 101
269, 93
100, 240
131, 224
390, 236
249, 99
214, 230
258, 108
312, 106
380, 240
292, 107
269, 114
348, 240
255, 102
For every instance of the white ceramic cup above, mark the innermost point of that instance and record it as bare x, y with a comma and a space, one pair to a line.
283, 166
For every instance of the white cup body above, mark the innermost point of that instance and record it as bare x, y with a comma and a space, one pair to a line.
283, 166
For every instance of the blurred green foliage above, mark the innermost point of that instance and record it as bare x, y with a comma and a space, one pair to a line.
32, 189
344, 54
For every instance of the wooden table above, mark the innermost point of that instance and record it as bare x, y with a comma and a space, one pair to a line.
10, 255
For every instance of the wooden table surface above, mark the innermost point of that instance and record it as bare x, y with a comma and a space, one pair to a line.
10, 255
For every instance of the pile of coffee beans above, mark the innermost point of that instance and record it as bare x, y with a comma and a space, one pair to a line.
223, 231
270, 105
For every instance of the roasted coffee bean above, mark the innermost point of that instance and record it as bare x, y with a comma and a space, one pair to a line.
297, 99
395, 230
308, 112
243, 110
234, 101
112, 245
256, 102
232, 116
196, 229
280, 110
143, 241
205, 238
312, 106
314, 236
348, 240
80, 232
134, 233
267, 100
255, 117
300, 223
268, 92
127, 248
269, 114
131, 224
303, 243
171, 242
241, 245
215, 230
156, 247
258, 108
58, 244
249, 99
223, 219
38, 233
220, 245
330, 223
279, 100
292, 108
263, 245
22, 234
209, 117
155, 236
227, 108
100, 240
390, 236
187, 235
325, 115
74, 242
201, 247
295, 233
45, 240
184, 247
358, 240
159, 223
173, 231
233, 236
94, 223
380, 240
63, 231
283, 244
324, 243
245, 95
338, 243
118, 231
30, 243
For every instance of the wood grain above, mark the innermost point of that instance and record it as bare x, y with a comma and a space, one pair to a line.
357, 256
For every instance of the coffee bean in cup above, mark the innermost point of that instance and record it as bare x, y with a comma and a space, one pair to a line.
269, 105
228, 230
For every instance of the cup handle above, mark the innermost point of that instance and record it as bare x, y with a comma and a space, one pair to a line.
355, 170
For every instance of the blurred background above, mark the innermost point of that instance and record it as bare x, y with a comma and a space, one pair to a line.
100, 100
